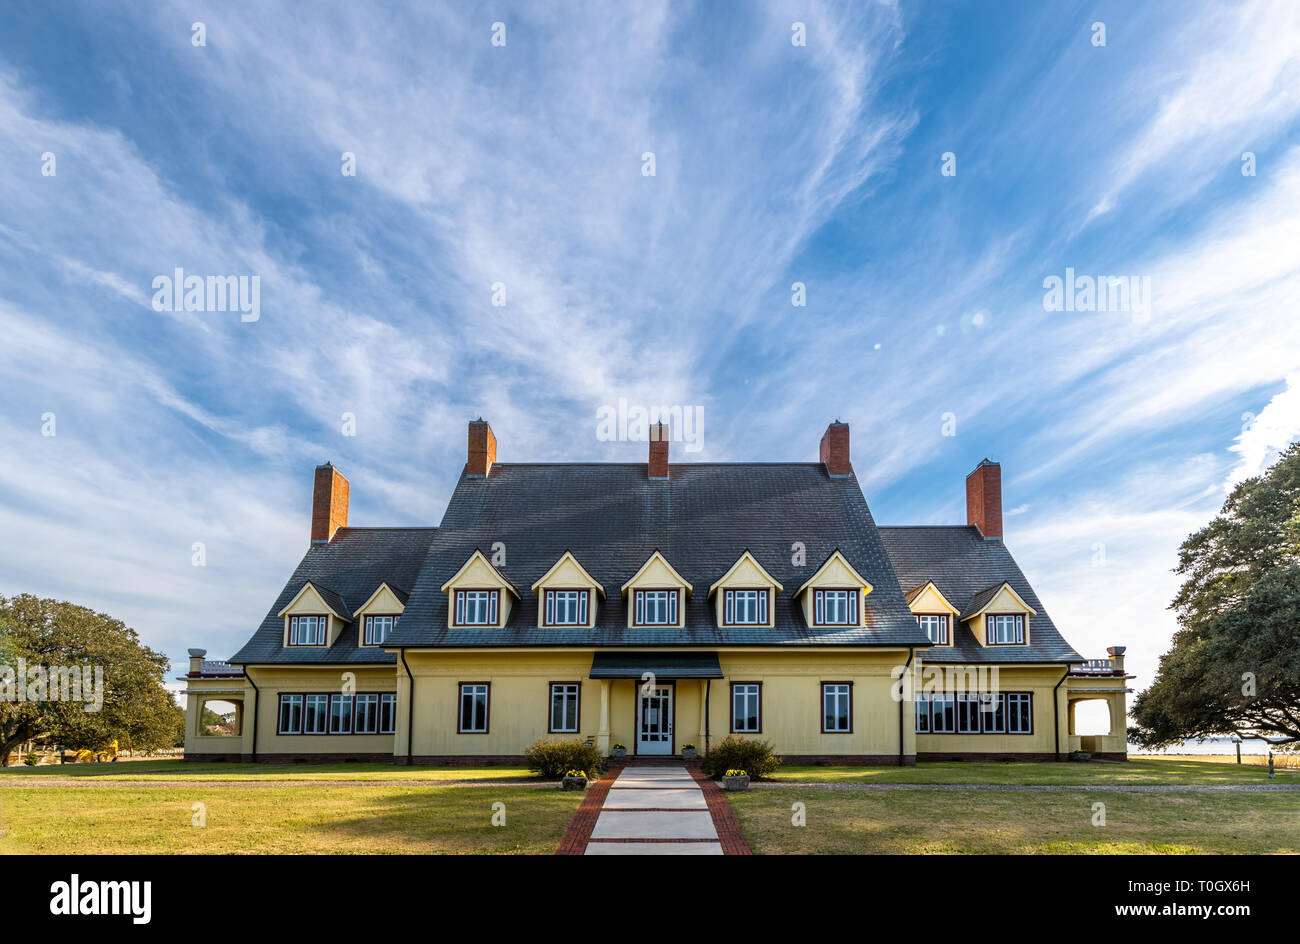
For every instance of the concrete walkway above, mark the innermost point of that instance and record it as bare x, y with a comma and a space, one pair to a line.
654, 811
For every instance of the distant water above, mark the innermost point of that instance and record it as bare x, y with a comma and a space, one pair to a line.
1219, 745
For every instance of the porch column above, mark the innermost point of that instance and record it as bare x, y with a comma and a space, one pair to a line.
704, 708
602, 735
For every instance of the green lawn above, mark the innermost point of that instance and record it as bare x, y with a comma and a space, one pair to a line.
283, 819
1144, 770
179, 770
935, 821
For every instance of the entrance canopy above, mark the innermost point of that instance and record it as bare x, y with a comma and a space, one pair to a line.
611, 665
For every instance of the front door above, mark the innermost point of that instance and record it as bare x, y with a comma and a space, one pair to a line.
654, 725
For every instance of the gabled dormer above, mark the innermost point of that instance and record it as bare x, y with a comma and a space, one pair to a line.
378, 616
314, 617
998, 616
834, 595
656, 595
745, 595
567, 595
479, 595
933, 611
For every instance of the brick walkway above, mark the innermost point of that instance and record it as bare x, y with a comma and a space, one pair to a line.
659, 810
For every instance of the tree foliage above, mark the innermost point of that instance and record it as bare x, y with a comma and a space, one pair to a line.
1234, 667
137, 712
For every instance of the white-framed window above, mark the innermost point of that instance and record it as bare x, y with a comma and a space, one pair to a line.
388, 713
994, 714
290, 714
745, 607
566, 607
837, 707
746, 707
943, 714
473, 708
936, 627
835, 607
366, 720
564, 707
1020, 713
378, 629
477, 607
308, 630
968, 714
656, 608
922, 714
1006, 629
340, 714
315, 714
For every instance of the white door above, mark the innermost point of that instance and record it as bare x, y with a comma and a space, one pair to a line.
654, 719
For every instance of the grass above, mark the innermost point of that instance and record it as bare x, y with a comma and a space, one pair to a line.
283, 819
992, 822
1143, 770
179, 770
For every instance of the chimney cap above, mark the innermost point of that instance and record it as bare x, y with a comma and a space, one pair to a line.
198, 653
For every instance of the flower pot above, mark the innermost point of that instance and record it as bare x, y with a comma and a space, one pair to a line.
618, 752
574, 783
689, 753
735, 783
1080, 755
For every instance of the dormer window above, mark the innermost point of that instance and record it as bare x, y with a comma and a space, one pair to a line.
1006, 629
566, 607
308, 630
477, 607
835, 607
935, 626
745, 607
656, 607
378, 628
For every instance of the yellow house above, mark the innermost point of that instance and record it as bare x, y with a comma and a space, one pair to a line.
654, 607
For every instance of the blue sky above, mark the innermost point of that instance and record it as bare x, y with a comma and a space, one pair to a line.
522, 164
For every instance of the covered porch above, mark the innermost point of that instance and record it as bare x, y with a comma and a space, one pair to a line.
654, 703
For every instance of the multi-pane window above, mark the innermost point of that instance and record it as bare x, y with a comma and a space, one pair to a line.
745, 607
315, 713
746, 707
378, 629
1002, 713
566, 608
321, 713
290, 714
477, 607
564, 707
340, 714
307, 630
656, 608
367, 714
1006, 630
473, 707
837, 701
936, 627
835, 607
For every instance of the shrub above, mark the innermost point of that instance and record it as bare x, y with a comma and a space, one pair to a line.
735, 753
551, 757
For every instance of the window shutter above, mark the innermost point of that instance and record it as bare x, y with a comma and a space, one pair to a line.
762, 607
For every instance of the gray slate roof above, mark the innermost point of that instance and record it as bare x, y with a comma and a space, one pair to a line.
347, 570
965, 566
701, 519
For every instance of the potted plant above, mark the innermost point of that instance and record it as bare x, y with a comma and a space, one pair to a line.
689, 752
735, 780
575, 780
619, 750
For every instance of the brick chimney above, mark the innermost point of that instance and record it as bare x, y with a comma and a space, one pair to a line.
984, 499
482, 448
196, 660
329, 503
835, 450
659, 435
